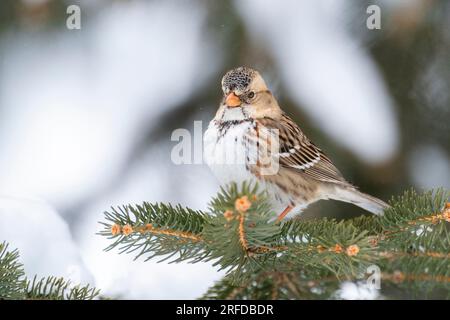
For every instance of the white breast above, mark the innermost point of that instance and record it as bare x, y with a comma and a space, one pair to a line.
225, 153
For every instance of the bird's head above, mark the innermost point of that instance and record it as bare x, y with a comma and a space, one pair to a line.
246, 95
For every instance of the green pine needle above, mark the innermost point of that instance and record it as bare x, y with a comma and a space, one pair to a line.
297, 258
14, 285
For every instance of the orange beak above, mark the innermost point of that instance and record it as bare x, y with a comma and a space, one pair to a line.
232, 100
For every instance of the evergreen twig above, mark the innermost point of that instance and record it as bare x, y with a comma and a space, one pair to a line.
14, 284
297, 258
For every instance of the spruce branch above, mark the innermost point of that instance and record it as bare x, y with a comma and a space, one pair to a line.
53, 288
296, 258
12, 276
14, 284
156, 230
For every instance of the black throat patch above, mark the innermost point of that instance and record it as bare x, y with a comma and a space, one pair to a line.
224, 126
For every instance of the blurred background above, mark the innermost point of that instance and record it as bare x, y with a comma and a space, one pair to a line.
86, 115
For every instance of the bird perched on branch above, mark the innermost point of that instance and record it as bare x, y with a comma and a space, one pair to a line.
252, 139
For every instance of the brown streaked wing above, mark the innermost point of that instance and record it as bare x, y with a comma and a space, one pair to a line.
300, 155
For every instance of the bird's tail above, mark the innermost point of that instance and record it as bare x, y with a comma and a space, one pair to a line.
360, 199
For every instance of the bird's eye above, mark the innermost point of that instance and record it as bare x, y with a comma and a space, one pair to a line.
251, 95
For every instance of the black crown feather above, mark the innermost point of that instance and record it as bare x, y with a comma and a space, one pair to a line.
238, 79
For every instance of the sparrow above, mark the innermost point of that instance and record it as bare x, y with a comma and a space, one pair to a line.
252, 139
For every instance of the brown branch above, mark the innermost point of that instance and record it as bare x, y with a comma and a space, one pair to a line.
289, 284
399, 277
148, 228
242, 238
233, 294
393, 255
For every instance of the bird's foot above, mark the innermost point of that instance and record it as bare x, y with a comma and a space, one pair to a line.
284, 213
